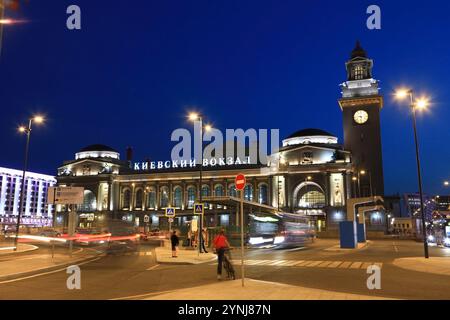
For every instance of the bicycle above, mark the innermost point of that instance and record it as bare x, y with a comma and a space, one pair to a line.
228, 265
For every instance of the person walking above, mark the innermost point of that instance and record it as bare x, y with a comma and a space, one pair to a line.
175, 241
220, 244
204, 238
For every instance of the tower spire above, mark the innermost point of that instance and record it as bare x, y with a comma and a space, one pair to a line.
358, 51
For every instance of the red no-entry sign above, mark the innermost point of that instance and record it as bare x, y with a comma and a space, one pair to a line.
240, 182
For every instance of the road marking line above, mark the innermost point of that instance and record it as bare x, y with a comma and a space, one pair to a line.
290, 263
276, 262
355, 265
335, 264
345, 264
324, 264
286, 263
302, 263
50, 272
380, 264
365, 265
153, 267
313, 263
260, 262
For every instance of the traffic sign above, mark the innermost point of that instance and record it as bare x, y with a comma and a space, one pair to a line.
240, 182
170, 212
170, 220
65, 195
198, 208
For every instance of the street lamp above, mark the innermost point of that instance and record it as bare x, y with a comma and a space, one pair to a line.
354, 179
27, 130
193, 116
420, 104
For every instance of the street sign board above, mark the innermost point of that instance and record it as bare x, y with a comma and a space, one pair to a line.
170, 212
240, 182
198, 208
170, 220
65, 195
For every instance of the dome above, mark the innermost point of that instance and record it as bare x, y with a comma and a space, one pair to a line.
309, 132
97, 151
97, 147
310, 135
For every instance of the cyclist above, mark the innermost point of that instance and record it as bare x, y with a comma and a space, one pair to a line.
220, 244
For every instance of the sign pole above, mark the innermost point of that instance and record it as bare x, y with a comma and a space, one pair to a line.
242, 236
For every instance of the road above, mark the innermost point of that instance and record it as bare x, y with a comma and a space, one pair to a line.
136, 274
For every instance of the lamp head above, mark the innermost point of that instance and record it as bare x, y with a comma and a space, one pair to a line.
193, 116
422, 103
402, 93
38, 119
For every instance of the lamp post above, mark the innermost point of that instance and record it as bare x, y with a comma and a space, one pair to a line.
27, 131
354, 179
417, 104
196, 117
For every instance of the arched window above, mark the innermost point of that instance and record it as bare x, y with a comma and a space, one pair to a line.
190, 197
139, 198
164, 197
177, 197
151, 198
89, 201
248, 192
218, 191
263, 193
126, 199
312, 199
232, 192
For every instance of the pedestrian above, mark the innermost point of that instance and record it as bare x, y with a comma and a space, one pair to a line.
204, 237
220, 244
189, 238
175, 241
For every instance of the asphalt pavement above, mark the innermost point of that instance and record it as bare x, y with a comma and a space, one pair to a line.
136, 274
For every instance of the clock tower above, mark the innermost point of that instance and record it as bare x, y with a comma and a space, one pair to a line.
361, 104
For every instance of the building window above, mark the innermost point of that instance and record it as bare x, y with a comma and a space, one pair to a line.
190, 197
359, 72
164, 199
312, 199
218, 191
89, 202
139, 198
248, 192
232, 192
263, 194
151, 199
126, 199
177, 197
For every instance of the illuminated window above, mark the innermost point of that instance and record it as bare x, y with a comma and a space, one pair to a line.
177, 197
190, 197
248, 192
164, 199
263, 194
232, 192
312, 199
126, 199
139, 198
359, 72
151, 199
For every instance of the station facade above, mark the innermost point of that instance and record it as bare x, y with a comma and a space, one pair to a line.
311, 174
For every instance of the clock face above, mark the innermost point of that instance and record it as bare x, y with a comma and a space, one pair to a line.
360, 116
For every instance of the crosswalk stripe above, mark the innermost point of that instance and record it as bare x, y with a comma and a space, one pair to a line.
380, 264
290, 263
277, 262
302, 264
313, 264
335, 264
287, 263
298, 263
324, 264
365, 265
356, 265
345, 264
260, 262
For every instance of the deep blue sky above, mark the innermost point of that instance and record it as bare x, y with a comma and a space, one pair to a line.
128, 76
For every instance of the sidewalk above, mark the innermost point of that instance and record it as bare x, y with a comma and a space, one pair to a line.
436, 265
8, 248
256, 290
28, 265
164, 255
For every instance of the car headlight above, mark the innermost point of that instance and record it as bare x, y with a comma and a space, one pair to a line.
278, 240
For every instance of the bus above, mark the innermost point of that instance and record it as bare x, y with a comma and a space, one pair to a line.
279, 230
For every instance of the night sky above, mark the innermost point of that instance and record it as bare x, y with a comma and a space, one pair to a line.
129, 76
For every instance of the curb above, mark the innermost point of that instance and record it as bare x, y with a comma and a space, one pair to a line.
47, 269
19, 252
332, 249
183, 262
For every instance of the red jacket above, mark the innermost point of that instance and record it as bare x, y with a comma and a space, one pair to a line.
220, 241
